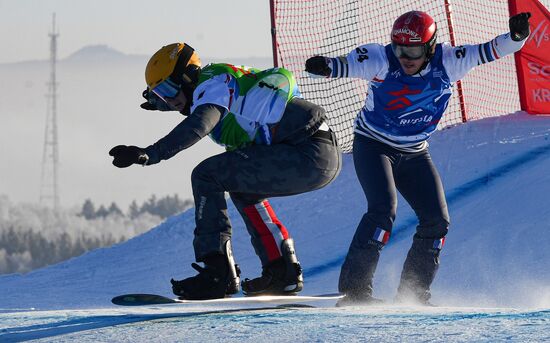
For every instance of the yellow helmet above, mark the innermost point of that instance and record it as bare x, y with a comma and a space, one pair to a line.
177, 61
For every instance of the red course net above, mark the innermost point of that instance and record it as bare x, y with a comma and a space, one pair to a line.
332, 28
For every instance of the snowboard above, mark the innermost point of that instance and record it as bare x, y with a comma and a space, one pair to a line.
155, 299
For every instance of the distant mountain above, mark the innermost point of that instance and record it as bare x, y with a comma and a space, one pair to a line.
103, 52
100, 53
89, 54
92, 51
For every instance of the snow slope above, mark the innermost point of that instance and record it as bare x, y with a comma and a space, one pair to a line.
495, 172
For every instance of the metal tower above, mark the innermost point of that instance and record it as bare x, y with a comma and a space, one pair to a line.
49, 193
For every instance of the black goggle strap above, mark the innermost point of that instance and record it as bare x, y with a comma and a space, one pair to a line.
430, 44
429, 51
178, 75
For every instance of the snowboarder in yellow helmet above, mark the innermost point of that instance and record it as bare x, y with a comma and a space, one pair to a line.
277, 144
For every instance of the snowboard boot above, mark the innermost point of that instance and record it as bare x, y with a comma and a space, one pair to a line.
281, 277
419, 271
350, 300
413, 298
219, 277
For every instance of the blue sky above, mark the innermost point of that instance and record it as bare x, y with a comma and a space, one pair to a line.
215, 28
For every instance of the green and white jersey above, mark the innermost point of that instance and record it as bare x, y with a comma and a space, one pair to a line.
254, 99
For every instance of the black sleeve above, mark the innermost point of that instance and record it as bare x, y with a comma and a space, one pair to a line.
197, 125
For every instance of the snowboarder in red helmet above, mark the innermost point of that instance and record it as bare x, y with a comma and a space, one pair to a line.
410, 84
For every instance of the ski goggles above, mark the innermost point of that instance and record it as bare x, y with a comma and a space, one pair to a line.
411, 52
166, 89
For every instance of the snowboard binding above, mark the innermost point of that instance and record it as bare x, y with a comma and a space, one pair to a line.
220, 277
281, 277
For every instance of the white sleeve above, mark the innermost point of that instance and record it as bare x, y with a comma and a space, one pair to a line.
213, 91
459, 60
365, 62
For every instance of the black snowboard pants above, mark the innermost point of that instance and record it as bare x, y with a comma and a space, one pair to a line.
382, 170
251, 175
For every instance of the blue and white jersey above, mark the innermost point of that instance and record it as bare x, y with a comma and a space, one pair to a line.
403, 110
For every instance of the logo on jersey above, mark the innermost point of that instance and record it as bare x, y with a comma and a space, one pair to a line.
414, 121
401, 101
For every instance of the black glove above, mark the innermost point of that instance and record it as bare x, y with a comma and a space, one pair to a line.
125, 156
318, 65
519, 26
154, 103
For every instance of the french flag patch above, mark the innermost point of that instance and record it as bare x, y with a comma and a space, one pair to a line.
381, 235
438, 243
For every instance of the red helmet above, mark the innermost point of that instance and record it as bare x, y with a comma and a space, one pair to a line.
415, 28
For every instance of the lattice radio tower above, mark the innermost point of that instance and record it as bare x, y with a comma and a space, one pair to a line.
49, 192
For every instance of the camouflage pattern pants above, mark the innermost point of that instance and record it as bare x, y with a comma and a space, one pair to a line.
250, 176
